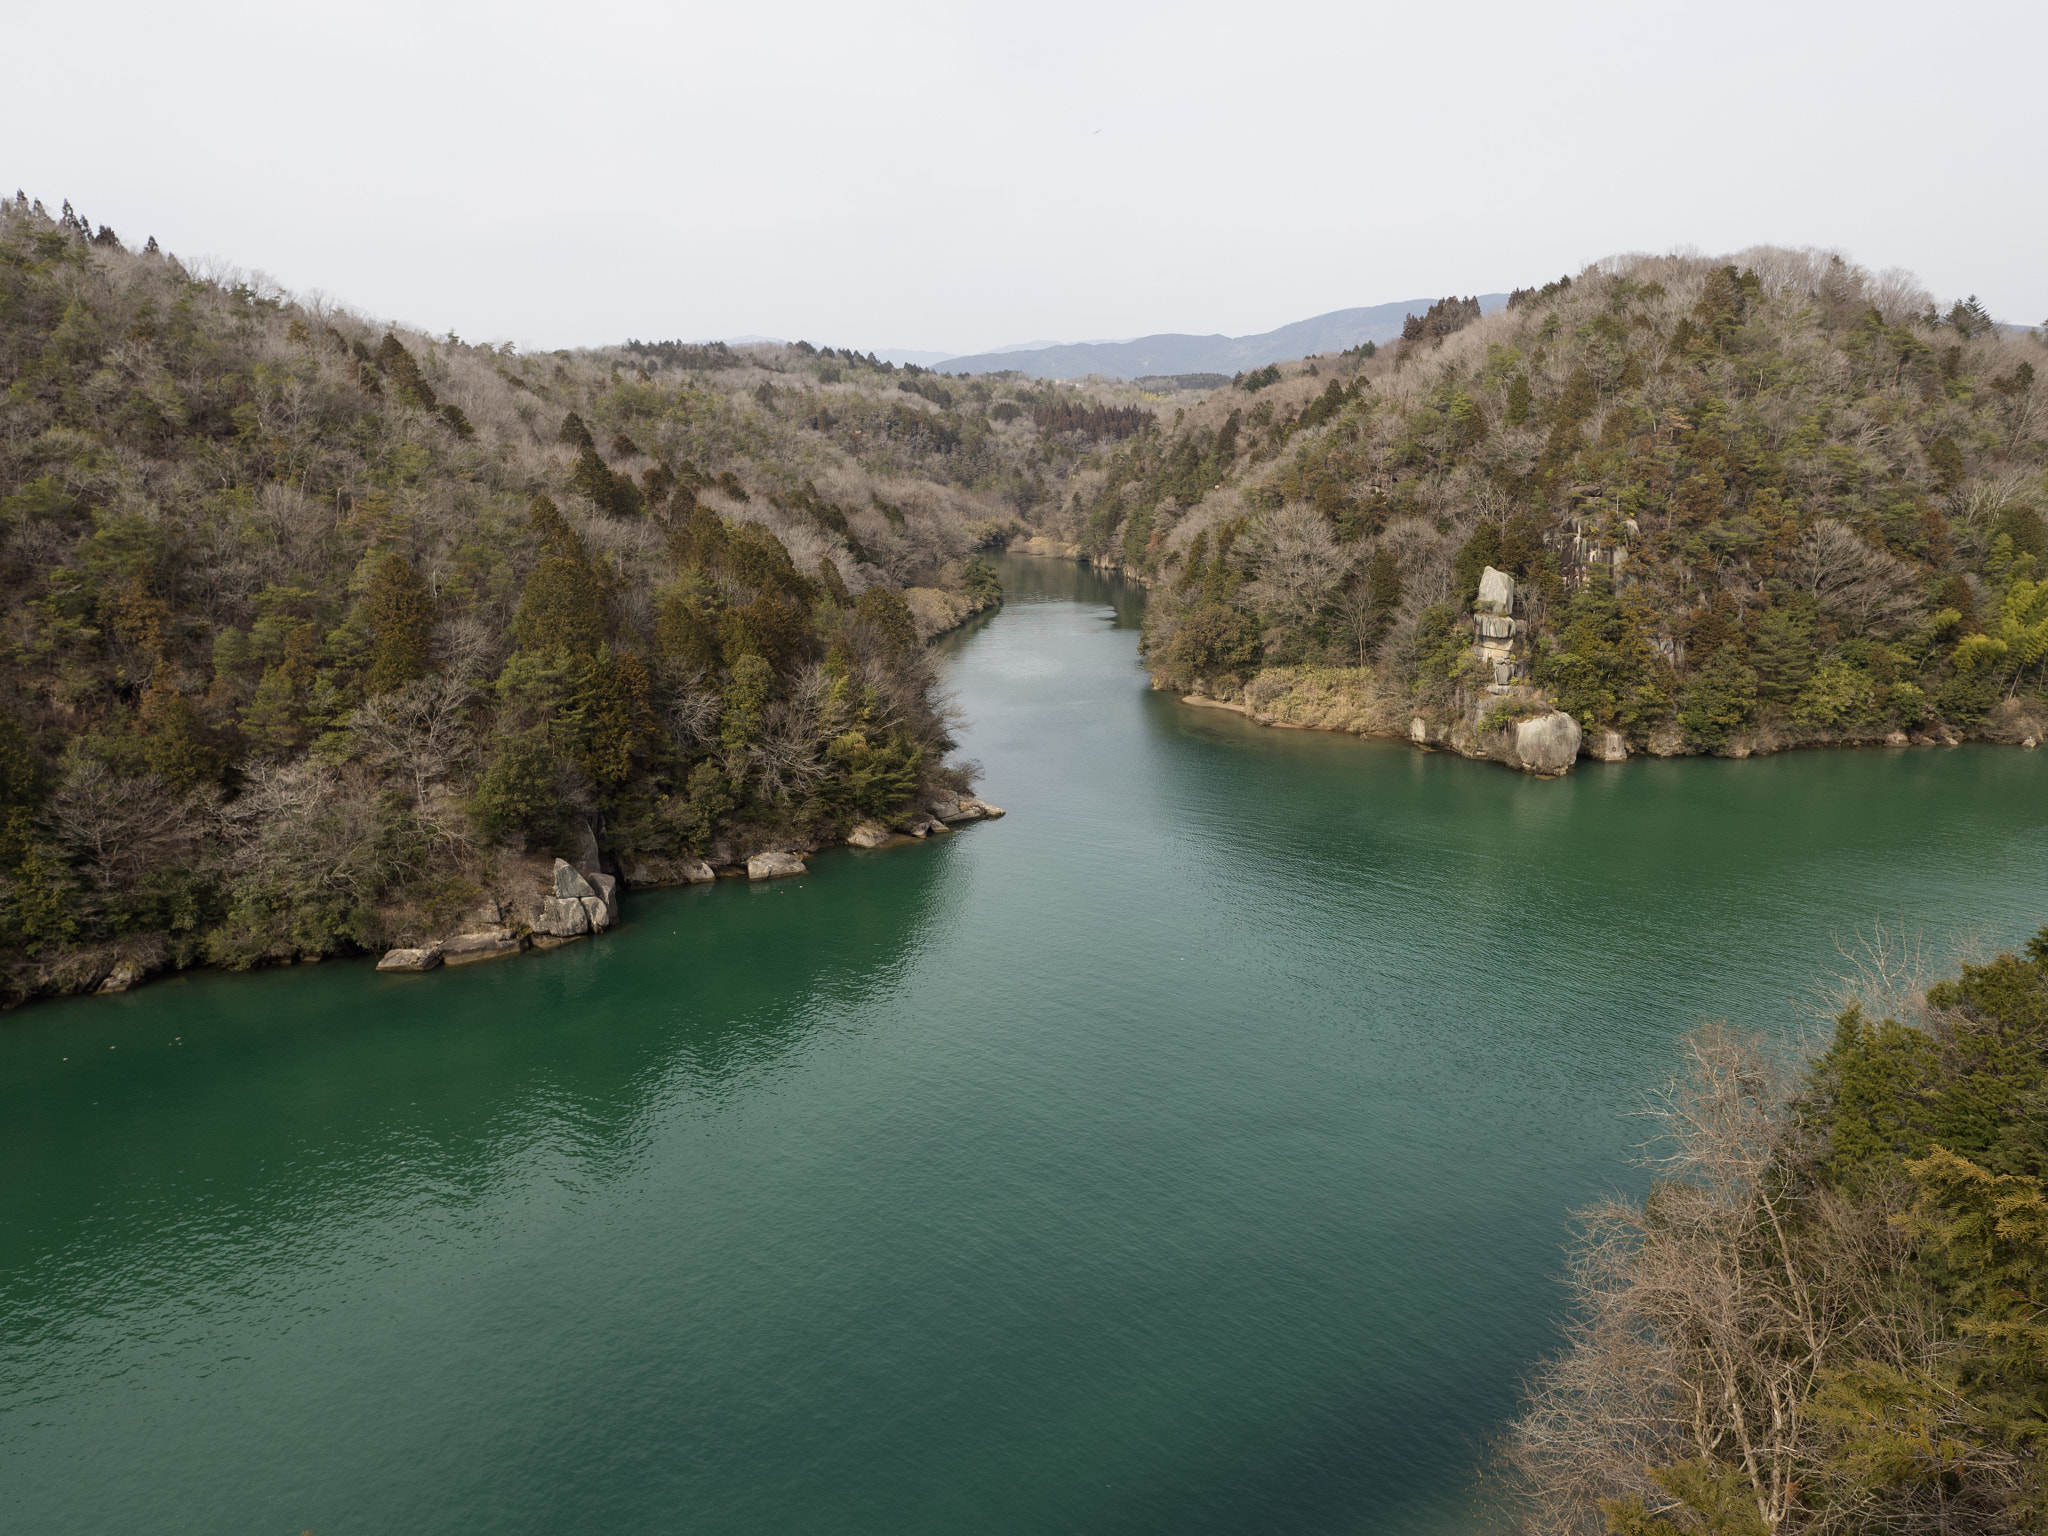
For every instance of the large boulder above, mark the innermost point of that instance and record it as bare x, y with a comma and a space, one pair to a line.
1496, 591
1548, 744
869, 835
605, 892
569, 880
1607, 746
564, 917
986, 811
410, 959
775, 865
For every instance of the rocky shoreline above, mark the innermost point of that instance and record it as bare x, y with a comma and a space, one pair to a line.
1498, 715
571, 900
1545, 741
541, 903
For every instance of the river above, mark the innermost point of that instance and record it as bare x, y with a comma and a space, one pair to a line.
1189, 1151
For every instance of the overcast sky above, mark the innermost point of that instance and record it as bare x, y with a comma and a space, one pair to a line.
957, 177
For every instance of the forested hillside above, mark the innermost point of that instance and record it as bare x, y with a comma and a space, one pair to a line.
1746, 503
315, 629
1831, 1315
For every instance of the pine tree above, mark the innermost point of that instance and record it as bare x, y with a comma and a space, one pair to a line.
1783, 654
273, 721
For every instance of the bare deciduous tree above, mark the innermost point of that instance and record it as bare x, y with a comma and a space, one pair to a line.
420, 730
1709, 1315
1858, 586
121, 827
1299, 561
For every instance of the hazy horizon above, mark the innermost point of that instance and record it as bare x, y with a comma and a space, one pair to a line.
918, 178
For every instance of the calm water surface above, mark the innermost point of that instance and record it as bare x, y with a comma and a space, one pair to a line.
1188, 1152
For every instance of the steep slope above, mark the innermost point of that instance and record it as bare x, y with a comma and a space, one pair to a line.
320, 635
1745, 503
1174, 353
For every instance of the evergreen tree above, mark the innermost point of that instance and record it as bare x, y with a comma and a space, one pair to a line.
746, 700
888, 616
833, 583
399, 611
1477, 553
273, 722
1520, 399
516, 796
562, 608
683, 634
1783, 654
175, 746
1579, 398
1719, 698
1946, 460
1383, 588
551, 531
1605, 671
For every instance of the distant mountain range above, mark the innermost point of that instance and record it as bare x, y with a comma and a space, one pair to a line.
1172, 353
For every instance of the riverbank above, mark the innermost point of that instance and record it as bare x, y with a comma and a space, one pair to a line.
525, 903
1357, 701
1520, 727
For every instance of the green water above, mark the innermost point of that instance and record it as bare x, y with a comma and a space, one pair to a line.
1188, 1152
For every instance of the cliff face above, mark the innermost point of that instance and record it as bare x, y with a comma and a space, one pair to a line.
1744, 504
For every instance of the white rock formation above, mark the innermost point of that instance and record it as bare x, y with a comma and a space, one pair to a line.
1548, 744
774, 865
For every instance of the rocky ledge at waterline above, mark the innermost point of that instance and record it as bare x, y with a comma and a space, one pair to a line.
1493, 712
542, 903
546, 908
1525, 731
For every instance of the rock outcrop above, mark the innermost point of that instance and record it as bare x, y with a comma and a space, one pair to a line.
1547, 744
410, 959
650, 873
870, 835
1607, 746
581, 903
125, 975
1667, 741
775, 865
951, 809
488, 944
1496, 629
